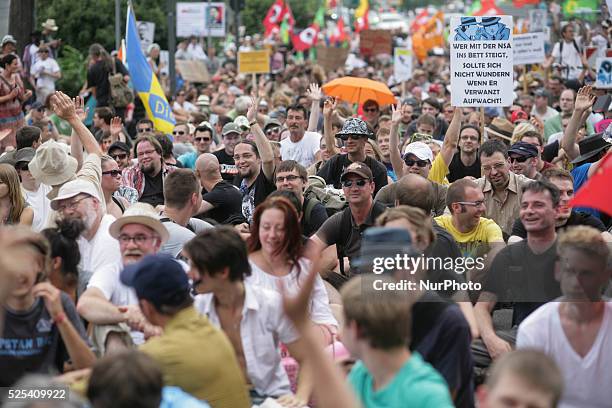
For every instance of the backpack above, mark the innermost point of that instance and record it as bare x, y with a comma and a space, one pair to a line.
317, 191
121, 94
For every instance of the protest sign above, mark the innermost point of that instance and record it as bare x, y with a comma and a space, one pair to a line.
481, 61
529, 48
374, 42
214, 23
190, 19
402, 64
254, 62
146, 33
164, 61
604, 73
537, 20
193, 71
331, 58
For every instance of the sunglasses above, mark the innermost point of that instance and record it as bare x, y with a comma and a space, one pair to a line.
371, 110
145, 130
352, 137
518, 159
180, 133
113, 173
202, 139
420, 163
122, 156
359, 183
272, 131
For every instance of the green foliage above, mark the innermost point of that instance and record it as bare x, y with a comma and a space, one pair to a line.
74, 70
255, 11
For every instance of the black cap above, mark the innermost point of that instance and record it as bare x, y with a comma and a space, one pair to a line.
158, 278
523, 149
590, 146
120, 146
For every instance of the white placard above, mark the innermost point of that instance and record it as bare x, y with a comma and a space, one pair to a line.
190, 19
402, 64
481, 61
146, 32
538, 19
528, 48
604, 73
214, 23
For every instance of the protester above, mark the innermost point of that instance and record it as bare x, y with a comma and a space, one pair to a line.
46, 71
114, 192
102, 66
230, 137
13, 207
301, 145
466, 162
12, 96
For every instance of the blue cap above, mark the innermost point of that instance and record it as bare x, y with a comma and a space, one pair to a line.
158, 278
523, 149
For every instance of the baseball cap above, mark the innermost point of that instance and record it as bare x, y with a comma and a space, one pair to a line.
158, 278
420, 150
8, 39
519, 115
541, 92
121, 146
74, 188
230, 127
359, 169
272, 122
523, 149
243, 122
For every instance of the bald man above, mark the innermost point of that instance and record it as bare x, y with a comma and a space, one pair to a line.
221, 200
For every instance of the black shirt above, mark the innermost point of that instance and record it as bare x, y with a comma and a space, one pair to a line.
551, 151
575, 218
227, 200
458, 170
31, 342
528, 280
334, 167
317, 217
263, 187
153, 190
97, 76
228, 166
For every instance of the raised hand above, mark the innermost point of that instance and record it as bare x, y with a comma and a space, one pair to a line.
396, 115
252, 112
585, 99
314, 92
329, 107
63, 106
116, 126
79, 107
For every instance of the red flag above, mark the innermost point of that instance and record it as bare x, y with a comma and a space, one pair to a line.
338, 35
596, 191
305, 38
275, 15
419, 21
521, 3
489, 8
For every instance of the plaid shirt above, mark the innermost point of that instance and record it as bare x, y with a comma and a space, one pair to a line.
134, 177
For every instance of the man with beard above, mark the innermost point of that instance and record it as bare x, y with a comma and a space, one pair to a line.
466, 161
256, 166
107, 303
301, 146
147, 176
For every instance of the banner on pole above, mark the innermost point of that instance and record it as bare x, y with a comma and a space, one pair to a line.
402, 64
254, 62
529, 48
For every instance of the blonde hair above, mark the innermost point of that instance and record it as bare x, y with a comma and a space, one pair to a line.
521, 129
377, 152
585, 239
415, 216
9, 176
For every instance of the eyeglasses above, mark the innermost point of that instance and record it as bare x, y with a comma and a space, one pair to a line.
272, 130
472, 203
113, 173
121, 156
420, 163
201, 139
369, 110
71, 205
497, 167
145, 130
178, 132
347, 137
518, 159
138, 239
359, 183
290, 177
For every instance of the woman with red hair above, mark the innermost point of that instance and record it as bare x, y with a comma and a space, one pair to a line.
276, 256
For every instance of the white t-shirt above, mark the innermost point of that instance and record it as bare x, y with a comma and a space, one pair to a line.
570, 58
587, 380
40, 204
43, 80
320, 312
303, 151
188, 106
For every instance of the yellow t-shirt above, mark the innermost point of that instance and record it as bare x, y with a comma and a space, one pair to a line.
438, 171
476, 242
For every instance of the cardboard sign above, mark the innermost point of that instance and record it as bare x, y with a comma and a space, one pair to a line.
481, 61
604, 73
254, 62
193, 71
529, 48
402, 64
374, 42
331, 58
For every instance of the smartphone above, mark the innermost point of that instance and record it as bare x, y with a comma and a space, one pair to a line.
602, 103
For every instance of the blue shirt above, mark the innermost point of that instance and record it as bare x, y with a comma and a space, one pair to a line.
416, 384
174, 397
581, 175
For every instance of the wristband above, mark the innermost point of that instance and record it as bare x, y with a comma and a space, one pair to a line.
59, 318
253, 123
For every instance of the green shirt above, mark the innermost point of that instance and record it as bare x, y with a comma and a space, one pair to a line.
417, 384
197, 357
63, 127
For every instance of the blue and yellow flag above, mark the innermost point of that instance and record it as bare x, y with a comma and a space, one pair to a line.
144, 80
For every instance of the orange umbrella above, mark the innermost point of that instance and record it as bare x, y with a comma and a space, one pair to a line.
359, 90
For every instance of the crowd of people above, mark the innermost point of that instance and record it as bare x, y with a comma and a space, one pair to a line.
257, 256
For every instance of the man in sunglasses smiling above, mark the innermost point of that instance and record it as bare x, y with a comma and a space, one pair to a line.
523, 158
202, 141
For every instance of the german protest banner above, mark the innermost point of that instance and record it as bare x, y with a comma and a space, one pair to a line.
374, 42
331, 58
402, 64
254, 62
604, 73
528, 48
481, 61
